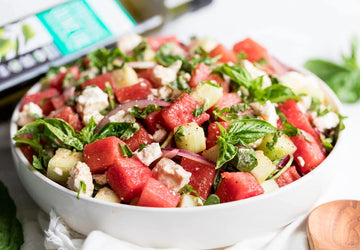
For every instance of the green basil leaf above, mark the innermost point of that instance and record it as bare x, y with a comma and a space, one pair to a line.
227, 151
278, 93
122, 130
87, 133
346, 86
324, 69
11, 232
244, 160
249, 130
38, 165
237, 74
212, 200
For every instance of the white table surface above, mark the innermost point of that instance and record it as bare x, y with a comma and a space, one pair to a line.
294, 31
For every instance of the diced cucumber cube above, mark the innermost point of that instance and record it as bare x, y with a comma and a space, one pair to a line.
126, 76
207, 94
264, 168
61, 163
283, 147
191, 137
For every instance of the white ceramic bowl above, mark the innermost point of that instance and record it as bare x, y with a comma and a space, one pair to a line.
190, 228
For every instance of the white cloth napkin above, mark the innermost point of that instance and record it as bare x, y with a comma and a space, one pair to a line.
59, 236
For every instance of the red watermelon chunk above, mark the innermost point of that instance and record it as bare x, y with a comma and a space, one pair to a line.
67, 114
201, 73
214, 132
156, 194
181, 112
156, 42
58, 101
140, 137
225, 54
309, 154
237, 186
202, 176
100, 81
42, 99
137, 91
57, 81
127, 177
102, 154
152, 120
287, 177
226, 101
296, 117
252, 49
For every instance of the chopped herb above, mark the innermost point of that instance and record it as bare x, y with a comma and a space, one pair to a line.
326, 142
38, 165
125, 150
82, 188
198, 111
211, 83
104, 59
138, 113
244, 160
179, 133
142, 146
181, 82
109, 91
139, 51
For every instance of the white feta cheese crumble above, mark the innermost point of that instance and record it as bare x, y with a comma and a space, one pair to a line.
80, 172
164, 75
149, 154
122, 116
267, 111
96, 115
302, 84
305, 103
106, 194
100, 179
128, 42
256, 72
328, 121
301, 161
29, 113
171, 174
92, 99
159, 135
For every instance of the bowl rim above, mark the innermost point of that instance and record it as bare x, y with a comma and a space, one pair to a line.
335, 102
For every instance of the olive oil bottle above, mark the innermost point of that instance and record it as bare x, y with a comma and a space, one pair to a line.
28, 47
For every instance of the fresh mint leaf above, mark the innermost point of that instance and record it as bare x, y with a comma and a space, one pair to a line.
11, 232
138, 113
324, 69
346, 85
125, 150
122, 130
278, 93
237, 73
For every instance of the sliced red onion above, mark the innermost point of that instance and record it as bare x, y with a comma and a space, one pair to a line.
172, 152
143, 103
284, 161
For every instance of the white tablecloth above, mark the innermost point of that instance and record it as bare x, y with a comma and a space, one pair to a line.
292, 30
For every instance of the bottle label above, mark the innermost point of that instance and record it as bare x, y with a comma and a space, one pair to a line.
62, 31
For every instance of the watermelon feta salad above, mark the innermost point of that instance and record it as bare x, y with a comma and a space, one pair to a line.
158, 123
